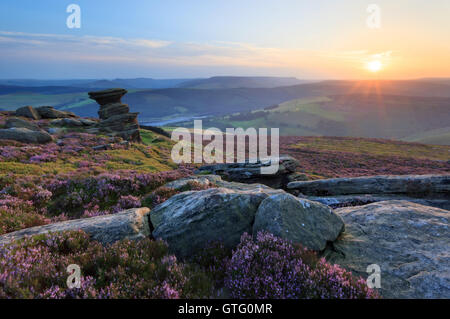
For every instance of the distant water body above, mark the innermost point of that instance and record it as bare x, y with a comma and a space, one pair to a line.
173, 121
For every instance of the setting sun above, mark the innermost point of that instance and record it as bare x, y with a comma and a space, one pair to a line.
374, 66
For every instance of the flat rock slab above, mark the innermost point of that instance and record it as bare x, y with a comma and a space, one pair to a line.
411, 185
130, 224
364, 199
410, 242
107, 96
251, 172
49, 112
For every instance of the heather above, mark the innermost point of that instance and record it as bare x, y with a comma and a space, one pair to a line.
328, 157
72, 178
271, 267
36, 268
265, 267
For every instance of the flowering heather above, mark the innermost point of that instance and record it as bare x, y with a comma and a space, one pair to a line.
36, 268
271, 267
70, 179
328, 157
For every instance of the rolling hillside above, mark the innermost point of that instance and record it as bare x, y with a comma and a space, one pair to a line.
409, 110
418, 119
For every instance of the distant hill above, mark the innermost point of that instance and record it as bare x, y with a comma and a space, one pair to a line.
50, 90
416, 110
137, 83
233, 82
420, 119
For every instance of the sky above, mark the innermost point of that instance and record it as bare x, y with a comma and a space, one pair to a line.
199, 38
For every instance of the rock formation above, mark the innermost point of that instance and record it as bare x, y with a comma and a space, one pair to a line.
410, 243
15, 122
299, 220
433, 190
48, 112
189, 220
28, 111
251, 172
25, 135
129, 224
115, 119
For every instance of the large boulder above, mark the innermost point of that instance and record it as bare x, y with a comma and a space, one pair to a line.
25, 135
15, 122
28, 111
251, 172
130, 224
48, 112
410, 242
302, 221
411, 185
189, 220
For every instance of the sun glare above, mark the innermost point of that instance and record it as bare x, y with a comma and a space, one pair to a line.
374, 66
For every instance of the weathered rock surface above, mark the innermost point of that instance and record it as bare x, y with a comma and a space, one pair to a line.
28, 111
48, 112
299, 220
410, 242
130, 224
72, 122
411, 185
25, 135
15, 122
251, 172
364, 199
115, 118
189, 220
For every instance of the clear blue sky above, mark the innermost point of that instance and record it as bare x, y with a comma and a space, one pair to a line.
190, 38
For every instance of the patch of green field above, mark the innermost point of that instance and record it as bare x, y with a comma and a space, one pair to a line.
439, 136
311, 106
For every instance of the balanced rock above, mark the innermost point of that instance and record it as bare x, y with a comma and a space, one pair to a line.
28, 111
410, 243
15, 122
109, 96
25, 135
251, 172
130, 224
115, 118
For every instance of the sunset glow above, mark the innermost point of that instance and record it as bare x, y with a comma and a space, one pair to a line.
374, 66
